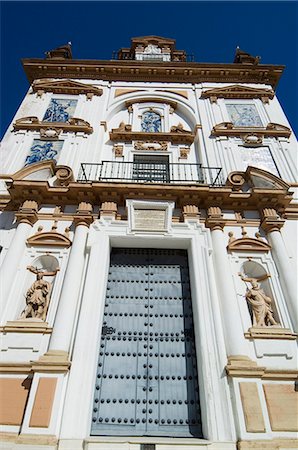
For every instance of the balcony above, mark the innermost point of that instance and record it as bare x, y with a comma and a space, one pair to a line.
142, 171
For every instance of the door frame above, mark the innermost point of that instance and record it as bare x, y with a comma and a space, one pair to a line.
216, 408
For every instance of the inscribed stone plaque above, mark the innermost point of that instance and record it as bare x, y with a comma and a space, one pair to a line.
150, 219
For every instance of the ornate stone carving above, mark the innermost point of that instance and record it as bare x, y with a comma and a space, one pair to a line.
271, 221
184, 152
64, 175
118, 150
229, 129
28, 212
215, 219
38, 296
155, 145
247, 243
239, 92
49, 133
84, 214
259, 301
242, 57
123, 127
178, 129
252, 139
190, 212
74, 125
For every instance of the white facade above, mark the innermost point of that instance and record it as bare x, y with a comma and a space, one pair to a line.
73, 221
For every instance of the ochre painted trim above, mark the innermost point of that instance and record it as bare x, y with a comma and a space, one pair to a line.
119, 70
28, 439
252, 409
239, 92
73, 125
49, 238
228, 129
268, 444
43, 403
244, 367
69, 87
14, 394
26, 326
151, 100
270, 333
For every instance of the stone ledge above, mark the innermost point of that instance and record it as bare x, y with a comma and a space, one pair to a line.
27, 439
243, 367
26, 326
272, 444
54, 361
270, 333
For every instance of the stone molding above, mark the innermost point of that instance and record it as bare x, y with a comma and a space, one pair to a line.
73, 125
49, 238
52, 361
238, 92
271, 221
27, 212
247, 244
215, 219
29, 439
228, 129
117, 70
124, 133
68, 87
151, 146
83, 215
108, 209
26, 326
243, 367
190, 212
270, 333
151, 100
268, 444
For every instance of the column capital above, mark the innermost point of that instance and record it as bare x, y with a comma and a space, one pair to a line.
27, 212
108, 209
215, 219
83, 215
271, 221
190, 212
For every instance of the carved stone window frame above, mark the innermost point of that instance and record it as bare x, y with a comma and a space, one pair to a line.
133, 205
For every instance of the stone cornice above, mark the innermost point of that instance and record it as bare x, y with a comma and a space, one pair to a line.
98, 192
244, 367
229, 130
73, 125
151, 71
174, 137
238, 92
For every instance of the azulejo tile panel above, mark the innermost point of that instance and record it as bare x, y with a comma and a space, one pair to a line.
43, 150
244, 115
60, 110
151, 122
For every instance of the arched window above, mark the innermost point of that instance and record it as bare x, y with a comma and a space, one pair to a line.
151, 122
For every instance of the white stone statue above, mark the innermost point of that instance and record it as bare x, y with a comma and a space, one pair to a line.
38, 295
259, 301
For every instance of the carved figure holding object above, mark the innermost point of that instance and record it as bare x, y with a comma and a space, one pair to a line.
259, 301
38, 295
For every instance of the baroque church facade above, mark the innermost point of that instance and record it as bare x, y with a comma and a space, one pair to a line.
148, 266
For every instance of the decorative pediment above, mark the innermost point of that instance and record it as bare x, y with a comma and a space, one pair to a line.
177, 135
73, 125
49, 238
230, 130
247, 244
68, 87
239, 92
37, 171
257, 179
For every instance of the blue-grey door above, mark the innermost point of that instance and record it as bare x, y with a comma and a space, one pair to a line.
147, 372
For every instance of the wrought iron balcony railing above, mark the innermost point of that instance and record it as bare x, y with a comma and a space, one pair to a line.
150, 172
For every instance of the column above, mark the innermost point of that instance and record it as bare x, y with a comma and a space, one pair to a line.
26, 217
234, 336
68, 302
76, 419
272, 225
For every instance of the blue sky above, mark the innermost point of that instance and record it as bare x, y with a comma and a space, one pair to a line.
210, 30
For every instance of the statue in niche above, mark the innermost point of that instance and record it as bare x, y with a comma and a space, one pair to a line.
259, 301
38, 295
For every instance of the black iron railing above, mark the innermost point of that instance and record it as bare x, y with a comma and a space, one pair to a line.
150, 172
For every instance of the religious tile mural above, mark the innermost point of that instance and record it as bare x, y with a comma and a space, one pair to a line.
260, 157
60, 110
244, 115
43, 150
151, 122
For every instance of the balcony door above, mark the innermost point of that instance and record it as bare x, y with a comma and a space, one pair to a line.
151, 168
146, 381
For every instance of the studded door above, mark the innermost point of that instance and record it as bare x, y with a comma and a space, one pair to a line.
147, 373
